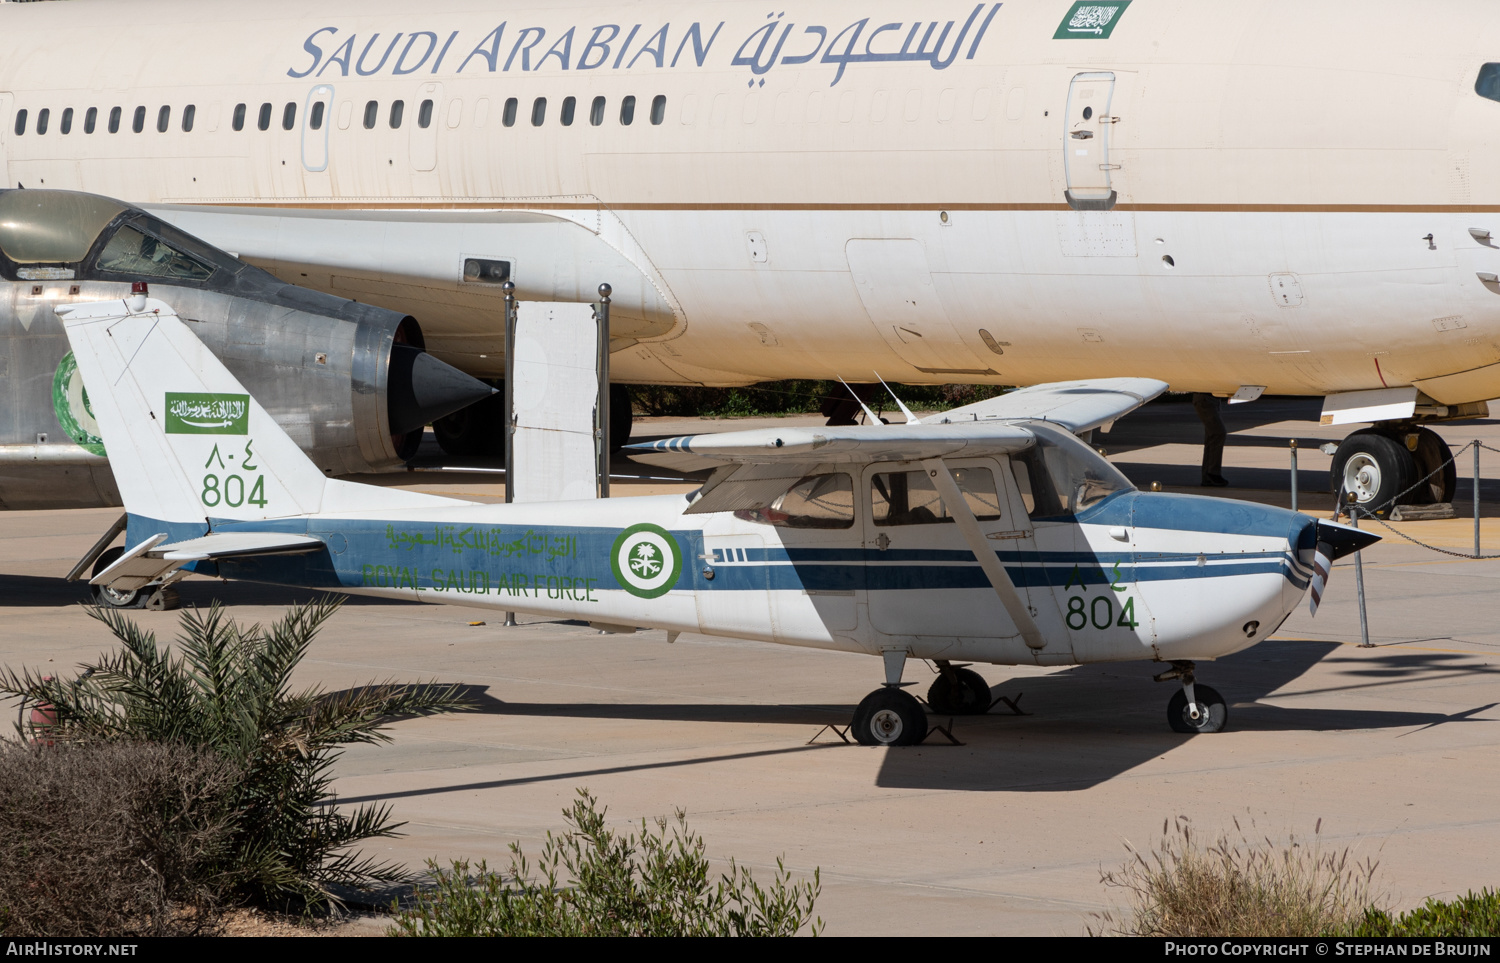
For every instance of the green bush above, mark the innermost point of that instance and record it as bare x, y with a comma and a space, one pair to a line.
654, 884
228, 691
1469, 915
792, 397
123, 838
1244, 887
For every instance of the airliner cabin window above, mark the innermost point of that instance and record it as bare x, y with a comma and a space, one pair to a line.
315, 116
817, 501
538, 111
596, 112
289, 116
21, 121
372, 114
627, 110
570, 104
131, 252
239, 117
90, 120
163, 120
65, 123
114, 120
263, 120
42, 116
658, 109
508, 118
189, 114
910, 498
1488, 83
424, 115
138, 122
398, 107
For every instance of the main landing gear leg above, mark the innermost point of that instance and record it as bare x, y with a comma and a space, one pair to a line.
890, 716
1195, 708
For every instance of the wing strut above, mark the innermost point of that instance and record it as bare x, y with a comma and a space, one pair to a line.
1015, 606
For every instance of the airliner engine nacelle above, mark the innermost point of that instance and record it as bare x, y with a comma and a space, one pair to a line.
349, 382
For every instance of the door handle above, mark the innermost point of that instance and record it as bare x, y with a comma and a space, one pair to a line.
1082, 134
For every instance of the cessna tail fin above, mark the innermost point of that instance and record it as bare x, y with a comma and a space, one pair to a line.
186, 441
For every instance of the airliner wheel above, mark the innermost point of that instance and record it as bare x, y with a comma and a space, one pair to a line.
1376, 468
1212, 711
964, 693
103, 595
1434, 457
889, 717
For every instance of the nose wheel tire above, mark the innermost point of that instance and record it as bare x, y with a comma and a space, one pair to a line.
1213, 713
959, 692
1375, 468
889, 717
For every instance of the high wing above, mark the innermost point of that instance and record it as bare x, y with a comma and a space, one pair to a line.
752, 468
1075, 405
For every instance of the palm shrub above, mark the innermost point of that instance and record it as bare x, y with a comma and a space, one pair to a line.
593, 881
228, 690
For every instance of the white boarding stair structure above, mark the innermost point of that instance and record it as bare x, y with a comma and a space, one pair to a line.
754, 467
189, 451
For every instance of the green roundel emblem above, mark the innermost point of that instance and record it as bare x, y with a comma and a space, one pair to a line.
646, 561
71, 405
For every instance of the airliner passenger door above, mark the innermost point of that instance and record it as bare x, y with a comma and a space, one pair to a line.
317, 117
1086, 141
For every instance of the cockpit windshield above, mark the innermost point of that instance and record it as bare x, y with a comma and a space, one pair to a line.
1061, 475
134, 253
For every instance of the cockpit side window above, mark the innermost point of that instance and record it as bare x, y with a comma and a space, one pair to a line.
816, 501
134, 253
909, 497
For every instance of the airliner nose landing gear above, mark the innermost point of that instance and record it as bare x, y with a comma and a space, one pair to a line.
890, 716
1194, 708
1378, 465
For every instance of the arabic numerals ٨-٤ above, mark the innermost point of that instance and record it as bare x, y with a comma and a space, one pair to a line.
233, 488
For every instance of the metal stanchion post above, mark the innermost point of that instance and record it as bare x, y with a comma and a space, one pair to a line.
509, 413
1476, 497
601, 433
1293, 443
1359, 577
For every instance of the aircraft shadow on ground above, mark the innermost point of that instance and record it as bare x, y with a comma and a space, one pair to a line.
1089, 724
38, 591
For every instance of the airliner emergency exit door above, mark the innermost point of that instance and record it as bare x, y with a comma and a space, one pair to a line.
317, 117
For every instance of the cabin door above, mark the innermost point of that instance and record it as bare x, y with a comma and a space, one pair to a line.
424, 134
1086, 141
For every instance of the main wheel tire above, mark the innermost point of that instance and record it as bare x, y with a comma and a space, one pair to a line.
103, 595
1435, 458
889, 717
965, 693
1376, 468
1213, 713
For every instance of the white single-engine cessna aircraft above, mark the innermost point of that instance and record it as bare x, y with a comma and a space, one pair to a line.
987, 534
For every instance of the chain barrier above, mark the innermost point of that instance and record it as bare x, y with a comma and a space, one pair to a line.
1369, 513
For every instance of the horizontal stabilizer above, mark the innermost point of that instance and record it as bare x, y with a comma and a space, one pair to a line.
151, 561
1076, 405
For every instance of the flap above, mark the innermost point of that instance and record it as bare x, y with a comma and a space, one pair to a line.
227, 544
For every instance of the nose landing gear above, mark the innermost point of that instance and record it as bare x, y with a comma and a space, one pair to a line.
1194, 708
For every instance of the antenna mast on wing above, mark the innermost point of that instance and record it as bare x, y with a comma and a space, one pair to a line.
911, 419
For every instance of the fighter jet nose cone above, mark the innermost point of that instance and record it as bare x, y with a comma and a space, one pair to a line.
422, 389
